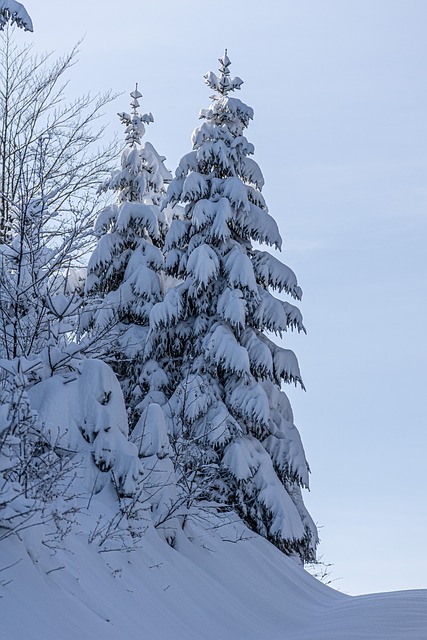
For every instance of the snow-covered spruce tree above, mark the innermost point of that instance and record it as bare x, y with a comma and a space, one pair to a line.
124, 272
124, 281
232, 426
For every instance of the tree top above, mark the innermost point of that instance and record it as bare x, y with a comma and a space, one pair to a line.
224, 82
135, 121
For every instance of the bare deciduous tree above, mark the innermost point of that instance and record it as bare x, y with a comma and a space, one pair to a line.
50, 166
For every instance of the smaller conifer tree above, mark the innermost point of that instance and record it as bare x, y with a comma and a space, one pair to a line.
125, 270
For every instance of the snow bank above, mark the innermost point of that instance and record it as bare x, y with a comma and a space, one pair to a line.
205, 589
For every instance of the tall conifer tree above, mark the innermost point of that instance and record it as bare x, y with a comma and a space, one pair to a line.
231, 425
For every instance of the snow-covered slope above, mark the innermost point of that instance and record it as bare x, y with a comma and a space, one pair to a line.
205, 589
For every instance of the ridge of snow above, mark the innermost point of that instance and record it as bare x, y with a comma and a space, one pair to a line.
178, 593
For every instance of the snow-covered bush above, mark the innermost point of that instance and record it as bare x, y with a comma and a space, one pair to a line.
63, 441
230, 424
160, 483
83, 411
33, 474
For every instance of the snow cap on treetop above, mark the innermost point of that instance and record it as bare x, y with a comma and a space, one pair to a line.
224, 82
135, 122
15, 12
135, 95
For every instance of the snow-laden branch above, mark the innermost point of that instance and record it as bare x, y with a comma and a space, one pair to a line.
15, 13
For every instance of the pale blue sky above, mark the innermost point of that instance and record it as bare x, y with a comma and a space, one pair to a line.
339, 93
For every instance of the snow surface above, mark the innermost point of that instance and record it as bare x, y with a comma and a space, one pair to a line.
207, 588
